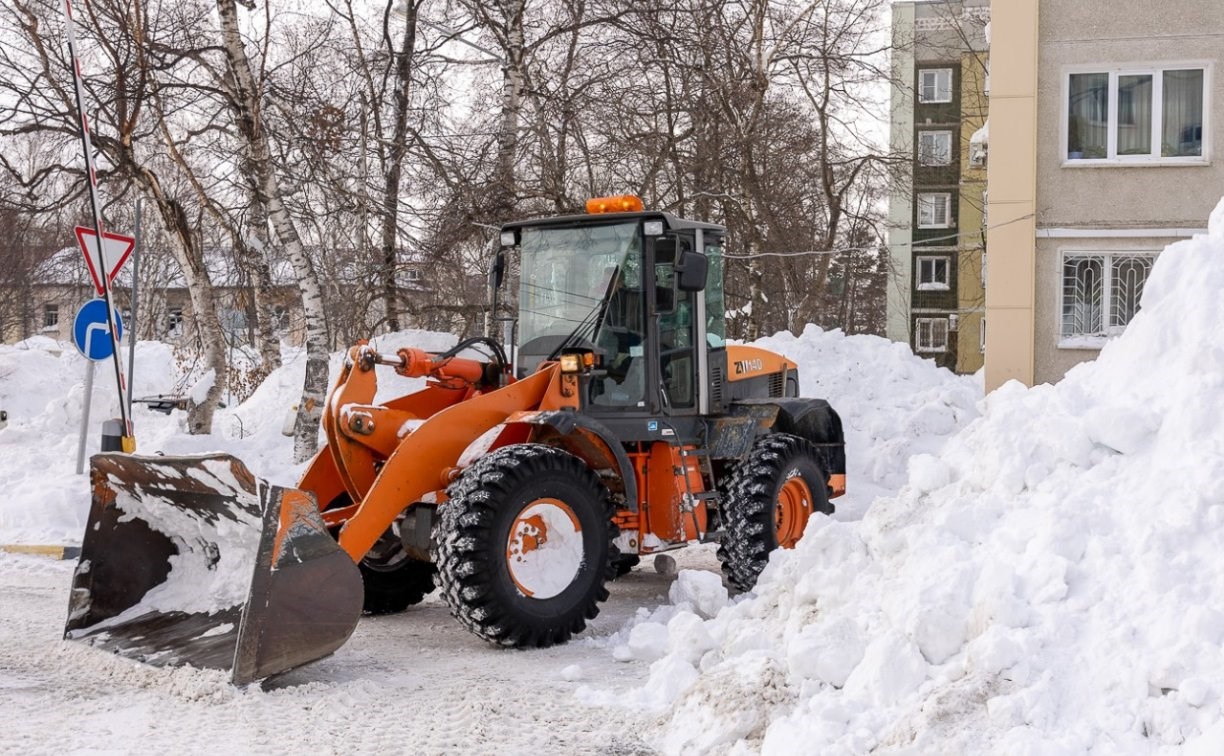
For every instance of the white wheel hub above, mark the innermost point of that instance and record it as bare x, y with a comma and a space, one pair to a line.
544, 550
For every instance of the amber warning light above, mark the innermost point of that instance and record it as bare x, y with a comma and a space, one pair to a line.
625, 203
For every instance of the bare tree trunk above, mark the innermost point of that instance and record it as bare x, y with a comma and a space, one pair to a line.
513, 83
186, 250
395, 162
247, 114
253, 257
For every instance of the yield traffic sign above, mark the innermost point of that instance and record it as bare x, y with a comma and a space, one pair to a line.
91, 332
116, 249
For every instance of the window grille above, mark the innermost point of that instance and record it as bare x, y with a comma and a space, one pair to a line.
931, 335
1101, 292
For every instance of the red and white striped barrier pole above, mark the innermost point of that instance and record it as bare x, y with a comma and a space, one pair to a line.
128, 440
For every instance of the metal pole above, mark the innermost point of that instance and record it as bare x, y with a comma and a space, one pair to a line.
132, 315
89, 376
128, 440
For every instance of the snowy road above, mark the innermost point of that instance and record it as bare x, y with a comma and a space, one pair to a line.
411, 683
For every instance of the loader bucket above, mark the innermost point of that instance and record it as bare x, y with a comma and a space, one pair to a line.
194, 561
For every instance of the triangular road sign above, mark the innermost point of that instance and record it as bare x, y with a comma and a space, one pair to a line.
116, 249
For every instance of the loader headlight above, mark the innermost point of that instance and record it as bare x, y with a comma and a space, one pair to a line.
507, 238
571, 363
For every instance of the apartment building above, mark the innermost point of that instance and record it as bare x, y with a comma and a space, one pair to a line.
1104, 120
936, 296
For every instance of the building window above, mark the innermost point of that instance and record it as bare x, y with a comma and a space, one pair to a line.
412, 274
280, 320
933, 273
934, 210
982, 337
935, 147
1150, 114
931, 335
50, 317
1100, 295
174, 322
935, 85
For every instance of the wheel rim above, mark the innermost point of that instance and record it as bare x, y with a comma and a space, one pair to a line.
386, 555
792, 510
544, 550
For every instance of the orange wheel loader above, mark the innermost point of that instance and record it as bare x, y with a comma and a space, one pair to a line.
620, 424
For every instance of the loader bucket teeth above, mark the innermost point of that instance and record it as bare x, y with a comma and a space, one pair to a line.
194, 561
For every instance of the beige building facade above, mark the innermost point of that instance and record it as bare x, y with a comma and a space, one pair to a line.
1105, 119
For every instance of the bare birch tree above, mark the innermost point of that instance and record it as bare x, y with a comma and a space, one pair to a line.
247, 107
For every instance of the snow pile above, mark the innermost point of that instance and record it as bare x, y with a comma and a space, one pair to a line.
1052, 582
892, 404
42, 388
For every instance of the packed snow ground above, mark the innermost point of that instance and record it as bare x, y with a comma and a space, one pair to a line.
1043, 579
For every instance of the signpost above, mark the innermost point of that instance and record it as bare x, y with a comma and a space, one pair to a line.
91, 331
116, 249
128, 438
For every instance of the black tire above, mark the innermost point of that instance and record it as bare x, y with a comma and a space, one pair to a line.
392, 580
750, 506
625, 563
472, 545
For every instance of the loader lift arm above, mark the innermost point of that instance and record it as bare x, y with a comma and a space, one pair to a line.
388, 457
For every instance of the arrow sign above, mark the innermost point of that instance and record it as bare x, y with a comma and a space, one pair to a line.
90, 332
116, 249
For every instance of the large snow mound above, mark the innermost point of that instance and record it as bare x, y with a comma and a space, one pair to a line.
893, 405
1051, 582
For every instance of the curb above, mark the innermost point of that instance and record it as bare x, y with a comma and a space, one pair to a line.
54, 552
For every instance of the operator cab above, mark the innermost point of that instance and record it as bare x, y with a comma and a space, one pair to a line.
642, 291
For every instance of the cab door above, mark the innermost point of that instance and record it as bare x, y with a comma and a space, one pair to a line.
673, 320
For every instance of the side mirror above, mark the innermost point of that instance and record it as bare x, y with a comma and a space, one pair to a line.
498, 271
691, 271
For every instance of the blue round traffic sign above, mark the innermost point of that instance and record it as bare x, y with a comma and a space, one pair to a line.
91, 333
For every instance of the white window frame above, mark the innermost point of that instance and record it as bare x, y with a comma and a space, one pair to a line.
48, 309
928, 327
947, 203
936, 71
1108, 331
412, 274
1155, 70
982, 336
933, 133
933, 284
